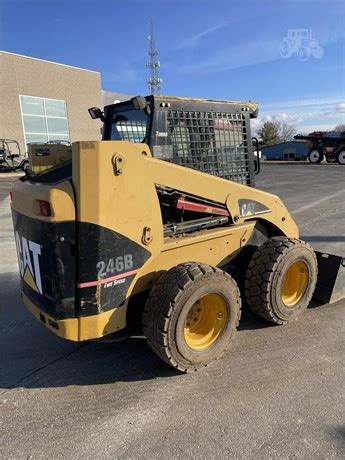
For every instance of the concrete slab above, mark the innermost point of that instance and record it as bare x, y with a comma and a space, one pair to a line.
11, 175
315, 196
278, 393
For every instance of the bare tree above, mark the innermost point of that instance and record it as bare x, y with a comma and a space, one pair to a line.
273, 132
340, 128
286, 132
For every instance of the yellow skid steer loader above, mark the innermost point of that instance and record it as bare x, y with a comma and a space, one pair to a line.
159, 225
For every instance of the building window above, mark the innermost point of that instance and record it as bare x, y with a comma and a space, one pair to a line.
44, 120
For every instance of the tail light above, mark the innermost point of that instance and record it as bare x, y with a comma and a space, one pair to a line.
45, 209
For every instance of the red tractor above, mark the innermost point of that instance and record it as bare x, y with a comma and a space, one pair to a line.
329, 145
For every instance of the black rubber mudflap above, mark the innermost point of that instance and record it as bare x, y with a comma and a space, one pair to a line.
330, 285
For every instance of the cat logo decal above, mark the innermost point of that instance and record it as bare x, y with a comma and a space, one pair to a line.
29, 262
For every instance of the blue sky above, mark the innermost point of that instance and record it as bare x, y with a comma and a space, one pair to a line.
208, 48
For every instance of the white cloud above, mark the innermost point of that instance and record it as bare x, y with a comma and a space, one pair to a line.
327, 36
305, 115
316, 127
299, 104
337, 109
194, 39
340, 107
281, 117
251, 52
233, 57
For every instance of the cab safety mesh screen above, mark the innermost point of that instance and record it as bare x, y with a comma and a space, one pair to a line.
211, 142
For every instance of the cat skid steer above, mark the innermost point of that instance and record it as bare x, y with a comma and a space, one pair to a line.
158, 225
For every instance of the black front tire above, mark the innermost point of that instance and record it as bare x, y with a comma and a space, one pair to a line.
315, 156
281, 279
171, 300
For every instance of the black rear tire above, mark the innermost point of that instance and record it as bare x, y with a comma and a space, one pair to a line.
341, 157
25, 165
281, 279
315, 156
167, 321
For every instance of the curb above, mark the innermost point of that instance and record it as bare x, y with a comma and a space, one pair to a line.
11, 174
296, 163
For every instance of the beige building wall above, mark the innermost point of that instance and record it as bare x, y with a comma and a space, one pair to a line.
79, 88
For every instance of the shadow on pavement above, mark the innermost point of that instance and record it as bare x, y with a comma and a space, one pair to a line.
33, 357
338, 434
90, 364
324, 238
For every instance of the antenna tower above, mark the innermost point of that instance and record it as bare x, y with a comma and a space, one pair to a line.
154, 82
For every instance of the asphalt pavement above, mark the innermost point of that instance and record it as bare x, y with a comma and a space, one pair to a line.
278, 393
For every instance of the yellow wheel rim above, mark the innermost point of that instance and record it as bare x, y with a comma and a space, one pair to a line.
205, 321
295, 283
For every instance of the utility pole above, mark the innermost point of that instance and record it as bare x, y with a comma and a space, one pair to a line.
154, 82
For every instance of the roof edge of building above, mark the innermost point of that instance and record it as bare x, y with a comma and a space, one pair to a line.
49, 62
284, 142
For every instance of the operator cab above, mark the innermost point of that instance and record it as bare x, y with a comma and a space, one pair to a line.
207, 135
